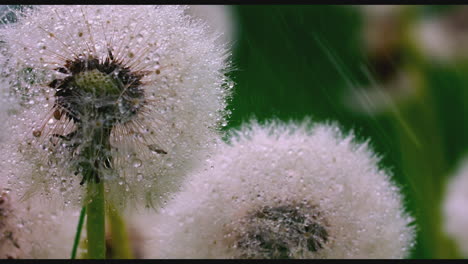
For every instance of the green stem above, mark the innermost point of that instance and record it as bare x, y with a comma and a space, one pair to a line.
95, 223
78, 232
120, 242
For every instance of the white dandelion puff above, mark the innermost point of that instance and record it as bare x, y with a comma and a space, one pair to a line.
35, 229
286, 191
49, 230
138, 90
455, 209
220, 18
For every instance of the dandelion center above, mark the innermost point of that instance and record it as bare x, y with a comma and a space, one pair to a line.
282, 231
96, 95
98, 90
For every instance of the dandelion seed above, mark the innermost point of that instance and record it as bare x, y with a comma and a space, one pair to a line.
103, 88
286, 191
455, 209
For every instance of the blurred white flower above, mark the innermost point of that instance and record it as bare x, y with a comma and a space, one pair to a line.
391, 82
133, 94
455, 209
286, 191
220, 18
383, 96
443, 38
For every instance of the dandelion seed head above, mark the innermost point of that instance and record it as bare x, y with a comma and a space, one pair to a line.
455, 211
286, 191
141, 89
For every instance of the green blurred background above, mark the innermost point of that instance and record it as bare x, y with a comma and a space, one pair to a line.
297, 61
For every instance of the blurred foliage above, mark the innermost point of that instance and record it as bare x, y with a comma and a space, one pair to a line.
298, 61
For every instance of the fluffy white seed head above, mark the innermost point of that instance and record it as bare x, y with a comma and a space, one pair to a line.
220, 18
152, 77
35, 228
49, 230
455, 209
286, 191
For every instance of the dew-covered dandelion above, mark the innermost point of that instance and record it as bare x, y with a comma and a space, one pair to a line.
113, 103
138, 90
455, 209
286, 191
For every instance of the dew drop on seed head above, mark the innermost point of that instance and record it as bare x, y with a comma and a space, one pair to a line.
139, 177
136, 163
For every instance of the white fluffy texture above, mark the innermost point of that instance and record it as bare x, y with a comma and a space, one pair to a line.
3, 118
455, 208
184, 86
39, 228
49, 230
36, 228
277, 164
220, 18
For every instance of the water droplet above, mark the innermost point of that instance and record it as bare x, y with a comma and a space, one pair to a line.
139, 38
139, 177
137, 163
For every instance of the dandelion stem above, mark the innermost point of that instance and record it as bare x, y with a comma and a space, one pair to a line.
95, 223
78, 232
120, 242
